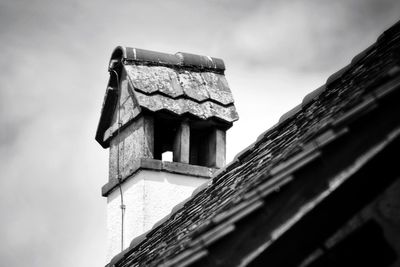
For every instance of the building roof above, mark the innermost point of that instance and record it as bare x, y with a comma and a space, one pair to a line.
349, 116
181, 84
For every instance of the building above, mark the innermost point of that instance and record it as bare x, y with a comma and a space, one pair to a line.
320, 188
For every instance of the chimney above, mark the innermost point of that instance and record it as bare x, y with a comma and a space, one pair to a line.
158, 104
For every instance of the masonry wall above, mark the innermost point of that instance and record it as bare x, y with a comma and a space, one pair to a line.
149, 196
134, 142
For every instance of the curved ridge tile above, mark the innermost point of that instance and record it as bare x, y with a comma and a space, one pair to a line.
202, 62
151, 56
337, 75
310, 96
290, 113
180, 59
363, 54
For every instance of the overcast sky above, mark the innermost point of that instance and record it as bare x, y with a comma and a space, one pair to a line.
53, 75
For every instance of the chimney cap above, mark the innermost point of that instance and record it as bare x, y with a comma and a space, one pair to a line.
184, 85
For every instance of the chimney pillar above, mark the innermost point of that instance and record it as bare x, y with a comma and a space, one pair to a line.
217, 148
182, 143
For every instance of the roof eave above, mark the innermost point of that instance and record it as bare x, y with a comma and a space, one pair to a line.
107, 110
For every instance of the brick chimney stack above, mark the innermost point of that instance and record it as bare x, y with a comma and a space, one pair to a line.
157, 103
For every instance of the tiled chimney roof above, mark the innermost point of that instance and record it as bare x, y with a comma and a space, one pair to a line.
182, 84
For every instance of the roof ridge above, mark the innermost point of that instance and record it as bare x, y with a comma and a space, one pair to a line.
331, 79
177, 60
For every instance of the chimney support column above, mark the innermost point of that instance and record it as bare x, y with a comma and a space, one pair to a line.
182, 143
217, 148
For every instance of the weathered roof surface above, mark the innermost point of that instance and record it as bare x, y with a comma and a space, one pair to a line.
180, 84
266, 166
197, 86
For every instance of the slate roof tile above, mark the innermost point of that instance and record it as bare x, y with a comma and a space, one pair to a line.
152, 79
288, 145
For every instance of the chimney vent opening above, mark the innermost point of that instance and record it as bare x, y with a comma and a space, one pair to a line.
167, 156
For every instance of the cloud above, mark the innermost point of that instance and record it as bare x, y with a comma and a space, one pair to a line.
303, 35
